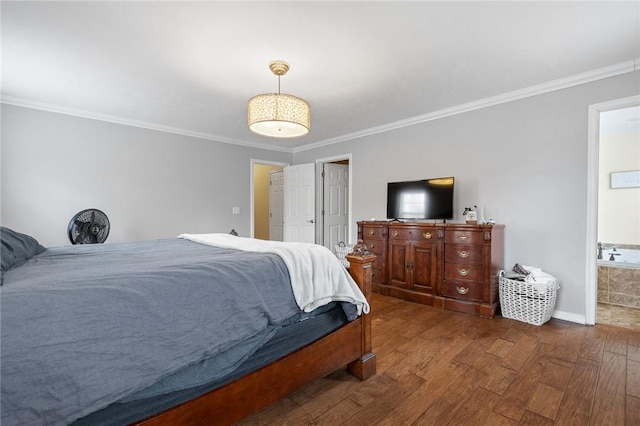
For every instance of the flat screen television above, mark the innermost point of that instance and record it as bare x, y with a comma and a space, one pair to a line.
420, 199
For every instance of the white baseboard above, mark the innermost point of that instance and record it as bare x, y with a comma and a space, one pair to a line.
569, 316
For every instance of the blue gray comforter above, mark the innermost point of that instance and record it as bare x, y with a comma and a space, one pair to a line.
159, 306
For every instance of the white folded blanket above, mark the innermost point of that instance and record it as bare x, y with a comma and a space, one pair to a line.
317, 277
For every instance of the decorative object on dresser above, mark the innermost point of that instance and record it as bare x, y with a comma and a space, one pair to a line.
450, 266
471, 214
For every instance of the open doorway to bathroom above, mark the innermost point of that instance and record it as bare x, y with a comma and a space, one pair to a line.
618, 208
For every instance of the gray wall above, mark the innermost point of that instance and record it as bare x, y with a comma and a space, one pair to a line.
525, 162
151, 184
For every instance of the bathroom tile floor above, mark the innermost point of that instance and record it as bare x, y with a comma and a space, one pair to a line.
621, 316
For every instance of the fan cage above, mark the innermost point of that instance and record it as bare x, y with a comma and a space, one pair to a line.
90, 226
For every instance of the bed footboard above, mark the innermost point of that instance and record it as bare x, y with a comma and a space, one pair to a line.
360, 268
350, 345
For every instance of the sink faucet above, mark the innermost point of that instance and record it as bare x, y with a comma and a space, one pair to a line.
599, 251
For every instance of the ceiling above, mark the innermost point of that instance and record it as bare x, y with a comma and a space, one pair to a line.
190, 67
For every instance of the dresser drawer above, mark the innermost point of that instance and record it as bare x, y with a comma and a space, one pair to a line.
459, 253
375, 245
378, 247
464, 237
370, 231
413, 234
462, 290
462, 271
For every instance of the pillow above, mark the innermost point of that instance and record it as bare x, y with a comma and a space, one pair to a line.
17, 248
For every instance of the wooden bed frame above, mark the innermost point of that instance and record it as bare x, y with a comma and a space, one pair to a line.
350, 345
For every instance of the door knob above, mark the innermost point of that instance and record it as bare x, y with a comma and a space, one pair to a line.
311, 221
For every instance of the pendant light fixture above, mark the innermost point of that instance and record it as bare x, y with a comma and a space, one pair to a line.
279, 115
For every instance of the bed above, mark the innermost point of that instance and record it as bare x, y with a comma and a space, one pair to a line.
193, 330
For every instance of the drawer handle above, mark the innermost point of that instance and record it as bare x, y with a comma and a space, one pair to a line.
372, 231
371, 245
463, 237
463, 254
462, 290
463, 272
427, 235
395, 233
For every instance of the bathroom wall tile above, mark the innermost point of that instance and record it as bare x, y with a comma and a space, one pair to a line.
624, 299
603, 278
624, 281
603, 296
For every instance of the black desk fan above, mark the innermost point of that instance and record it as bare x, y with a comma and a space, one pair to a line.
90, 226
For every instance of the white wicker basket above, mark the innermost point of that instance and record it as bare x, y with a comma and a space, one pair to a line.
528, 302
341, 251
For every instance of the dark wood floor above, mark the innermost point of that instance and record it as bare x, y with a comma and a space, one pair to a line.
445, 368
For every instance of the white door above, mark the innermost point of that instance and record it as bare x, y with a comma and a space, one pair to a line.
336, 204
299, 203
276, 205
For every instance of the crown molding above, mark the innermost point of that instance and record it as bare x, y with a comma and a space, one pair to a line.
539, 89
551, 86
10, 100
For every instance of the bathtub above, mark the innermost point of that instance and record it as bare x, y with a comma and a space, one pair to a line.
623, 257
619, 279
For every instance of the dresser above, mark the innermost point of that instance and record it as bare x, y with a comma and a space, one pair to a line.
449, 266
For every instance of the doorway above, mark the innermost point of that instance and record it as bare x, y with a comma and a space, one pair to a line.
599, 204
260, 170
262, 201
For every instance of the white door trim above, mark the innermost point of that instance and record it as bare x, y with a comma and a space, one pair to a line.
253, 162
320, 227
591, 234
276, 205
